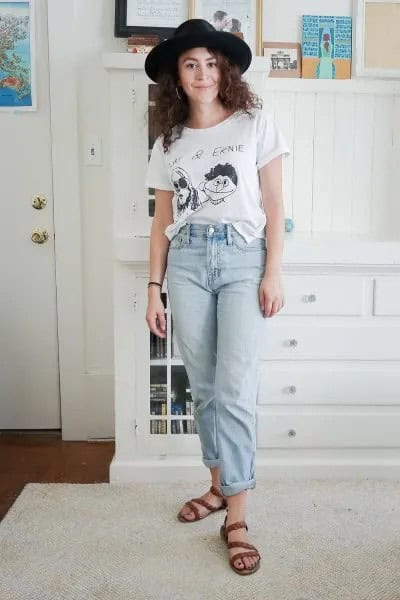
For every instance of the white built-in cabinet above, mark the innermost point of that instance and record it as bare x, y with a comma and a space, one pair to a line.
329, 395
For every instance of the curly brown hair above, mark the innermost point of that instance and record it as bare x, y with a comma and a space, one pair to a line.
171, 112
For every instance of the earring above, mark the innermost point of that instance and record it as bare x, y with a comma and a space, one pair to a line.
177, 93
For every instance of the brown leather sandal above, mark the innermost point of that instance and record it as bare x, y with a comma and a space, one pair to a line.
253, 550
204, 503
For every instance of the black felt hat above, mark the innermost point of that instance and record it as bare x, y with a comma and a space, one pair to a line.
196, 33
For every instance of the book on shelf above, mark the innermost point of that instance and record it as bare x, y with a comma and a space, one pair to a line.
158, 426
158, 346
141, 44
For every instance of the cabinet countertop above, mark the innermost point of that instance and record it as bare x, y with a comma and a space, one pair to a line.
299, 248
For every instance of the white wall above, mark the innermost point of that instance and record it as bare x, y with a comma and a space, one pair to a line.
94, 35
282, 20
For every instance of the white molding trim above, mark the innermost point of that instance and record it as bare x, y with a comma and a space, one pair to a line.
129, 60
67, 218
135, 62
358, 67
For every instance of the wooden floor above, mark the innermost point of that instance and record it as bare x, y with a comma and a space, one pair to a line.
45, 458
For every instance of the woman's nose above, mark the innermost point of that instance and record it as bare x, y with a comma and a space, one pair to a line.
201, 71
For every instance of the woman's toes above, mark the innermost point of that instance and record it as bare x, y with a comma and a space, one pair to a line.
239, 563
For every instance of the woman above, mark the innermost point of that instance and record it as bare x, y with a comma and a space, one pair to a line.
216, 168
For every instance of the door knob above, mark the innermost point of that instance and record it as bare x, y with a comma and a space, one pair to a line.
39, 236
39, 202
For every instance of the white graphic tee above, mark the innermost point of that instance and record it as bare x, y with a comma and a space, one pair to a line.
213, 172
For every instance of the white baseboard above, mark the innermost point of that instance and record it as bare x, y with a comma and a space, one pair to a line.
192, 469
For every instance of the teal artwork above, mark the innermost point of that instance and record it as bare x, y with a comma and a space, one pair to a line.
326, 47
326, 68
15, 55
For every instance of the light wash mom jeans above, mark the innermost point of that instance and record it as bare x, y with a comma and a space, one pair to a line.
213, 279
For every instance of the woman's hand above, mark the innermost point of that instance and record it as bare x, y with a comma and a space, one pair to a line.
155, 316
271, 294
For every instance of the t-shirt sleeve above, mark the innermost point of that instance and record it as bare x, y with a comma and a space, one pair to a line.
270, 140
157, 172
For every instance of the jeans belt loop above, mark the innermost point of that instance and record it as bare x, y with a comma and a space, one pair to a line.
229, 233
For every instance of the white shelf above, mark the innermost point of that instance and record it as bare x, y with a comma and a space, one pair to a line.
361, 85
129, 60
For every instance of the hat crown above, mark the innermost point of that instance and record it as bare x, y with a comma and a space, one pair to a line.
193, 26
195, 33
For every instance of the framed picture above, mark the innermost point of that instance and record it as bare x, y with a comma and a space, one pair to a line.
152, 17
326, 47
284, 58
241, 17
376, 47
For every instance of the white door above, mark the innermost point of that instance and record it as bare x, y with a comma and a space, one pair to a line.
29, 374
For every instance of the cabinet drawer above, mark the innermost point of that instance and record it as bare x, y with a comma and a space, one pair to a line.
323, 295
326, 384
331, 341
328, 430
387, 296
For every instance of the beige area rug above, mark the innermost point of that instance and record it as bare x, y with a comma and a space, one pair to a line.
319, 540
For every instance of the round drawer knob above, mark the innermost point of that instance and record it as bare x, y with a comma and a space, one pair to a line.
292, 389
291, 432
293, 342
310, 298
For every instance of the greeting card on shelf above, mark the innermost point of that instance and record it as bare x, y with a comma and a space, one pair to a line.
326, 47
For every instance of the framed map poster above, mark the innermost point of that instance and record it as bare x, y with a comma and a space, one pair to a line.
17, 81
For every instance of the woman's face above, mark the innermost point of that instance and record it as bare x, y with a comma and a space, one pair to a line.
199, 75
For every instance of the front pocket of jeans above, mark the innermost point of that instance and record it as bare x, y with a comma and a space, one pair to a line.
241, 244
176, 242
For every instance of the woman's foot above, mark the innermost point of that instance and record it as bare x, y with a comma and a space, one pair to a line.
240, 535
244, 558
188, 513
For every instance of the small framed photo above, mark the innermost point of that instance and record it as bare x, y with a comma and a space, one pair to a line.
242, 17
134, 17
284, 58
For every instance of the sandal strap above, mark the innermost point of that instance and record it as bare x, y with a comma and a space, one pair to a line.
238, 544
216, 492
235, 557
206, 504
236, 525
193, 508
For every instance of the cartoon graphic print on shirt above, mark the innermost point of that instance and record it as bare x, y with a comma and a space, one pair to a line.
187, 196
221, 182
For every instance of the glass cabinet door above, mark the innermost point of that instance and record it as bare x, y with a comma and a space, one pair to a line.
163, 394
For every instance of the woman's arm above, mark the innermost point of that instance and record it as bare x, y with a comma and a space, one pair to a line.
271, 190
159, 244
271, 294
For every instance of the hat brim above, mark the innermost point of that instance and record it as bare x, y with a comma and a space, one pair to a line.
163, 57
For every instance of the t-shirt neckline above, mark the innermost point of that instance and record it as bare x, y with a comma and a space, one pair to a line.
213, 127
